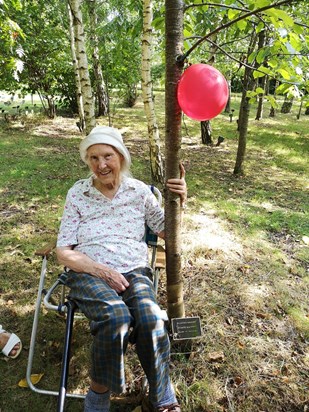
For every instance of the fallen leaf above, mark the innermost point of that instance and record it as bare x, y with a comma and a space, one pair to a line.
216, 357
241, 345
35, 378
238, 380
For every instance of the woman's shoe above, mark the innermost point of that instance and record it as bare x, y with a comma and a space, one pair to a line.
174, 407
10, 344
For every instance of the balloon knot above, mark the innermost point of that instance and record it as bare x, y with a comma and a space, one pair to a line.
181, 58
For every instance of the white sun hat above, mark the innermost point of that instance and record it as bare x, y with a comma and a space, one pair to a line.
105, 135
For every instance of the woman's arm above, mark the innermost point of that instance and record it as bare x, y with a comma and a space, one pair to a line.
79, 262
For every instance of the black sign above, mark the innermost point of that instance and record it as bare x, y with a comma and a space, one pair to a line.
186, 328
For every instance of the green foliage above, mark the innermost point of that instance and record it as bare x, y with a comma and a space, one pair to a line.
10, 47
120, 48
36, 37
284, 56
45, 53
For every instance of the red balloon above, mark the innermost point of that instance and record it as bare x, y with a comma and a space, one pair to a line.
202, 92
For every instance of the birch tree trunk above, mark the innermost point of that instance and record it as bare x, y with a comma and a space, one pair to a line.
82, 63
79, 99
156, 163
99, 86
174, 44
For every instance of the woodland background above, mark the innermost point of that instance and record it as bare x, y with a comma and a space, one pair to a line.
244, 240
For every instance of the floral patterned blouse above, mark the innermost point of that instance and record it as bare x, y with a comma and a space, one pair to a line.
111, 231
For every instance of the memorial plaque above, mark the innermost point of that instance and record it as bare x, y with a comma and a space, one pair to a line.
186, 328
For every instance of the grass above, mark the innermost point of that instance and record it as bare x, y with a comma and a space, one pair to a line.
245, 261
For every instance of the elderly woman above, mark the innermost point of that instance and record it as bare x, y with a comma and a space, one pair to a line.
101, 243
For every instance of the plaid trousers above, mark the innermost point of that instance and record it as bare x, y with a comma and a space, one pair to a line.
112, 316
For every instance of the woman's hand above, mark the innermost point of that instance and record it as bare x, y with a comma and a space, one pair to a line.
113, 278
179, 185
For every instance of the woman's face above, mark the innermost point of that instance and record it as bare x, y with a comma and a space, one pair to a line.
105, 162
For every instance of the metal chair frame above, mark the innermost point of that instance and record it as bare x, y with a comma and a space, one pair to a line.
68, 308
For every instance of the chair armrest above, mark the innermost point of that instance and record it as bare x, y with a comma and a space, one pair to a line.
46, 250
160, 257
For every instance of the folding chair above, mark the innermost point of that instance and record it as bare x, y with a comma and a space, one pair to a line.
68, 308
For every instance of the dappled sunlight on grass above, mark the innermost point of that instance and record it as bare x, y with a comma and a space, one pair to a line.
204, 236
245, 260
254, 295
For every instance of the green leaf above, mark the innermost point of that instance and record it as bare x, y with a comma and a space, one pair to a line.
231, 14
261, 72
252, 57
298, 29
283, 88
272, 101
158, 23
242, 25
295, 41
261, 55
261, 3
260, 27
276, 14
287, 19
270, 13
187, 33
258, 74
187, 44
259, 90
272, 63
284, 73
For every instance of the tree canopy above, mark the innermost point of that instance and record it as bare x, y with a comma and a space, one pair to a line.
35, 48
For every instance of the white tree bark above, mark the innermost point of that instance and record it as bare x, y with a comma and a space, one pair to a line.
79, 97
82, 63
156, 163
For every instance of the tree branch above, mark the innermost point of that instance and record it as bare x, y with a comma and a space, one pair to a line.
215, 5
242, 63
302, 25
182, 58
